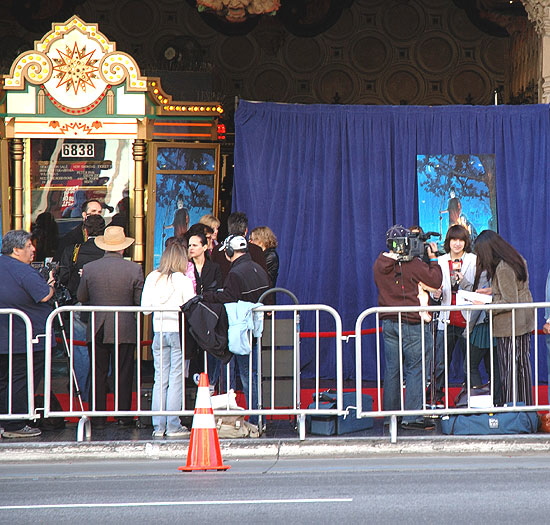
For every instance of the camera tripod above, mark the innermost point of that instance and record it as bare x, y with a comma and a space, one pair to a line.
68, 351
433, 364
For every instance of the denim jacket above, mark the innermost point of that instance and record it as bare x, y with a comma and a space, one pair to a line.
242, 319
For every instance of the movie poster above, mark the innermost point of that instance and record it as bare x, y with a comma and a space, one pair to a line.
184, 191
456, 189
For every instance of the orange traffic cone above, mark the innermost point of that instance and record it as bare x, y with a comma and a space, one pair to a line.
204, 446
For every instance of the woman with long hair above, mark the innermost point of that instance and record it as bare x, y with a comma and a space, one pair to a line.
44, 236
264, 237
507, 271
168, 286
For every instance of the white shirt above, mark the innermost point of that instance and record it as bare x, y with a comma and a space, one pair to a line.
163, 290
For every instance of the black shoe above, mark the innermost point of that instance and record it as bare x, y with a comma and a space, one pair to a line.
425, 424
99, 423
123, 422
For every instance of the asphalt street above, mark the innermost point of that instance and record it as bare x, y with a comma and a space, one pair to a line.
420, 489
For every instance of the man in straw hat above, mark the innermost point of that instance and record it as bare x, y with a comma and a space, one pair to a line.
112, 281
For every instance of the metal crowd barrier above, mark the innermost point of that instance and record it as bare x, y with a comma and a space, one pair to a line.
432, 411
76, 408
261, 350
7, 371
264, 360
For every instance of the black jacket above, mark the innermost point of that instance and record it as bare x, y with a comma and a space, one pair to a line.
246, 281
272, 262
210, 278
72, 237
207, 325
256, 253
68, 271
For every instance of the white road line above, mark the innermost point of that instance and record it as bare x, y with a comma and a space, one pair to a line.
173, 503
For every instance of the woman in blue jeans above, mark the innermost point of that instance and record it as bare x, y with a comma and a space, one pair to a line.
168, 287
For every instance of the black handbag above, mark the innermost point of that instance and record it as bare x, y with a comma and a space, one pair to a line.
461, 400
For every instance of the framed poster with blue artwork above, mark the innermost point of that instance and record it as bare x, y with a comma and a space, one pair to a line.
182, 187
457, 189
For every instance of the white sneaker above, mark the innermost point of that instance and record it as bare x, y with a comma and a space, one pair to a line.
180, 432
158, 433
25, 432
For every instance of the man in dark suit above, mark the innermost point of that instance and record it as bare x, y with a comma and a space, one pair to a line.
112, 281
72, 261
237, 224
78, 234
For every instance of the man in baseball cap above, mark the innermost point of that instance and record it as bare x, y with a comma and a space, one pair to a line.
234, 243
246, 281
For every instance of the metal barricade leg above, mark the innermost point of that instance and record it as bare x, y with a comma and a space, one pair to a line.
84, 429
259, 384
393, 429
302, 427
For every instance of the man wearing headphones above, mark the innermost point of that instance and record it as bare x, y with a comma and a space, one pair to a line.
246, 281
399, 279
237, 224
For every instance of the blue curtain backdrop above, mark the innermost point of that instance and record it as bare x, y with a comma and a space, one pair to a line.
330, 180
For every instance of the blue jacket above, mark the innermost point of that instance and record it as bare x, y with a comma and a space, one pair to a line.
242, 319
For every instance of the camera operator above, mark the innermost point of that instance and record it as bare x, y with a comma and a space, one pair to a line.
25, 289
72, 261
398, 275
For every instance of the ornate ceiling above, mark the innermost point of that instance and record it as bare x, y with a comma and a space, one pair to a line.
299, 17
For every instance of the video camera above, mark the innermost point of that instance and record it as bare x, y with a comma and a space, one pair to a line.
44, 269
61, 295
415, 245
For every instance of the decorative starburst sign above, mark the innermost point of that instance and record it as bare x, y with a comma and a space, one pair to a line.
75, 68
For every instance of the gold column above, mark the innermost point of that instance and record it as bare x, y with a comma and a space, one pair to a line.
538, 12
17, 151
139, 150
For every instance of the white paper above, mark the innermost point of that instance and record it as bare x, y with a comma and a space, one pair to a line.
481, 401
463, 297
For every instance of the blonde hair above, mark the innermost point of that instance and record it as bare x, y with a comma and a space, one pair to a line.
173, 259
210, 220
264, 235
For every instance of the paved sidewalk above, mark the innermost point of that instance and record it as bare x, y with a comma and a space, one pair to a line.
279, 441
276, 448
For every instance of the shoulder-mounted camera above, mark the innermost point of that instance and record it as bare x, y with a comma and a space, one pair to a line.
411, 246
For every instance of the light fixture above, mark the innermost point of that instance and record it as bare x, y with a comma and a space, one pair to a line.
238, 10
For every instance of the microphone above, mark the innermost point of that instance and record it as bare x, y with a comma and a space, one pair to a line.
456, 267
432, 234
